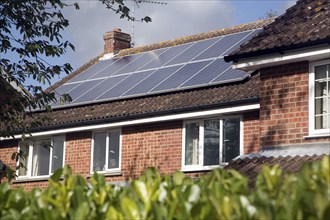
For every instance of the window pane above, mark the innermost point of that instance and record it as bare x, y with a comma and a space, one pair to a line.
114, 138
320, 88
322, 110
24, 148
99, 151
321, 71
40, 158
192, 143
211, 142
231, 139
57, 160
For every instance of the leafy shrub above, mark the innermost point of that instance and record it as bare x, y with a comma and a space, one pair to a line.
220, 194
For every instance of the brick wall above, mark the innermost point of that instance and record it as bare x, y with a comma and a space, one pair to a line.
251, 132
7, 148
284, 105
150, 145
78, 152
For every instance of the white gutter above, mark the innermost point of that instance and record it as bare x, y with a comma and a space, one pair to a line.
310, 54
208, 113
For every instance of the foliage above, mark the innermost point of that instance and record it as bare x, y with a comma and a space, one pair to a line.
30, 39
220, 194
119, 7
30, 33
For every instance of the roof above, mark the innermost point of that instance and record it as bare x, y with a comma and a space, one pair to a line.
250, 167
307, 23
193, 99
246, 91
165, 44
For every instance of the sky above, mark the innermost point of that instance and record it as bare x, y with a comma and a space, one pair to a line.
177, 18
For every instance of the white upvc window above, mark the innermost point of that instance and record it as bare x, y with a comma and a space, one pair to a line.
209, 143
106, 151
42, 156
319, 98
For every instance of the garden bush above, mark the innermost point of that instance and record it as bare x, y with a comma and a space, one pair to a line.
220, 194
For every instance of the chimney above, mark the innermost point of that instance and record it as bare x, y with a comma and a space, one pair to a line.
116, 40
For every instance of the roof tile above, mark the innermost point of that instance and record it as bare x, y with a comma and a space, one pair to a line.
306, 22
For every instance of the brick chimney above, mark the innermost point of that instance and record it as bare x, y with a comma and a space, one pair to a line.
116, 40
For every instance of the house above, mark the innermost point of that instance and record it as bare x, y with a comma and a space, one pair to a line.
293, 57
177, 105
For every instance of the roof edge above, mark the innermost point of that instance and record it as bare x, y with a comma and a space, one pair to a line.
280, 49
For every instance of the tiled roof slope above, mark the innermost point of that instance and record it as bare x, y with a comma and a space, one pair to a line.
305, 24
250, 167
197, 99
169, 43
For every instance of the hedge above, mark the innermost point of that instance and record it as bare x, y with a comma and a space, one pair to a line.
220, 194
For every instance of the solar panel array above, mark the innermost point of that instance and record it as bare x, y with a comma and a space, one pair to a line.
189, 65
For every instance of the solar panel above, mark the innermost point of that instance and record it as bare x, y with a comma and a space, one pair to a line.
166, 56
181, 76
117, 65
216, 68
83, 87
184, 66
154, 79
231, 75
193, 51
124, 85
139, 62
93, 70
99, 89
221, 47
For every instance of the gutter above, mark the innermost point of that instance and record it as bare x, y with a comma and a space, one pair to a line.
165, 115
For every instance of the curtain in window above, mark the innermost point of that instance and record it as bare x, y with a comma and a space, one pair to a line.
58, 150
24, 148
231, 139
40, 159
322, 97
192, 144
211, 142
99, 151
113, 157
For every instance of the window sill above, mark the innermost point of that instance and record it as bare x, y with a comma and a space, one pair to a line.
311, 136
202, 169
31, 179
107, 173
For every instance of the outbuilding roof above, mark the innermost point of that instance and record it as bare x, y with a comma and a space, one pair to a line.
251, 166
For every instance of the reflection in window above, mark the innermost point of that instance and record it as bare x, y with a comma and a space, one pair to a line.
42, 157
322, 97
106, 151
192, 142
202, 141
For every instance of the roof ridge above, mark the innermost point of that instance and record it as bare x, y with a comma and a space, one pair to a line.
196, 37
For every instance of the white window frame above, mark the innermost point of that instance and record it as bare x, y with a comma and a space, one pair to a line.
30, 156
113, 170
311, 116
201, 143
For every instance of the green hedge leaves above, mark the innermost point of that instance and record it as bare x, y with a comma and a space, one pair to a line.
220, 194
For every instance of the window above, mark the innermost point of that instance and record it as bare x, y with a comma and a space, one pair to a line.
319, 108
106, 151
42, 157
211, 142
